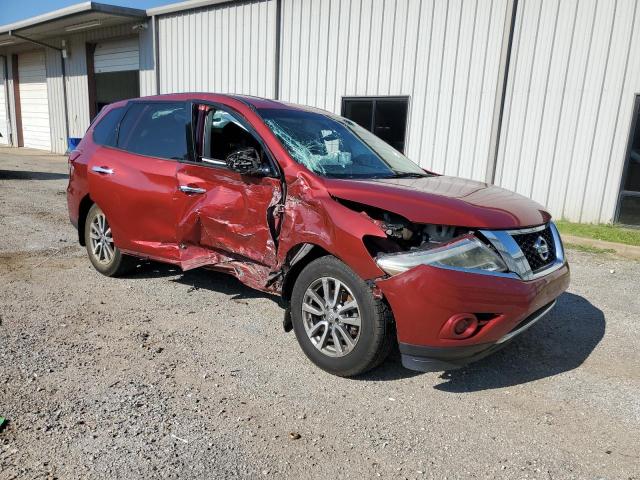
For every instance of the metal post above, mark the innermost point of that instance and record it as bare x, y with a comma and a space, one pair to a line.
6, 98
501, 90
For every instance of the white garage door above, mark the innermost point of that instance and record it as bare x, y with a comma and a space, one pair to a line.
34, 105
4, 130
117, 56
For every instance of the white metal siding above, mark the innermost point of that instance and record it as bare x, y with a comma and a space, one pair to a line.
228, 49
572, 82
34, 105
444, 55
117, 55
4, 130
56, 101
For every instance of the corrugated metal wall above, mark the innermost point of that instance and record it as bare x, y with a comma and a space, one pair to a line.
572, 82
228, 48
4, 124
53, 62
444, 55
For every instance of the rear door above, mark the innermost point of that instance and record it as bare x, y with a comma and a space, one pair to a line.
223, 214
134, 181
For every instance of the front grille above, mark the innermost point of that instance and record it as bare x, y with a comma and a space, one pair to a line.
527, 243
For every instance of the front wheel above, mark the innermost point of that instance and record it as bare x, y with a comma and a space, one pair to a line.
103, 253
339, 324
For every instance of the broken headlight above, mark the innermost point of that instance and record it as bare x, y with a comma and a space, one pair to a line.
466, 253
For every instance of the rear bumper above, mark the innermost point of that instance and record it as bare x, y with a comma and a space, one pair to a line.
424, 298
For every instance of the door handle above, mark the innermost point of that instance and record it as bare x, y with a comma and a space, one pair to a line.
188, 189
105, 170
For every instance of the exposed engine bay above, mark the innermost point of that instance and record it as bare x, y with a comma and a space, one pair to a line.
402, 235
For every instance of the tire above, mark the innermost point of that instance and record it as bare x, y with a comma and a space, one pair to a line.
371, 340
103, 254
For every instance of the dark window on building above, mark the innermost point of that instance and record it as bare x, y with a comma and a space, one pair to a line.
629, 202
104, 133
157, 130
386, 117
114, 86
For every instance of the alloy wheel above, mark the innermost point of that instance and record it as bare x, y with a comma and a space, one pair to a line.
102, 246
331, 317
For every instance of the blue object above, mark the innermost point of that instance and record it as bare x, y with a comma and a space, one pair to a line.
72, 143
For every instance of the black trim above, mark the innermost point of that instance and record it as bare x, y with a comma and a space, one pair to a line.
625, 169
436, 359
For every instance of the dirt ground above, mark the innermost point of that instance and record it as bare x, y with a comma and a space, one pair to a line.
164, 374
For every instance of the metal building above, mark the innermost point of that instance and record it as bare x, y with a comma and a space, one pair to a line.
536, 96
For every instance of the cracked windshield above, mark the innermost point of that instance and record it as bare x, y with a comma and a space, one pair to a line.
335, 147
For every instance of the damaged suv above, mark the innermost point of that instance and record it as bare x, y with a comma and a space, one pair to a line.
366, 248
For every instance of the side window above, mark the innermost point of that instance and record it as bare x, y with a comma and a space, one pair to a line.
104, 133
156, 129
224, 134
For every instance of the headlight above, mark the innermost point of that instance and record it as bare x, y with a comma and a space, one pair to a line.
468, 253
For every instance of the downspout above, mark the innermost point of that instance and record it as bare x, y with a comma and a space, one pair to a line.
63, 71
278, 47
6, 99
156, 53
501, 90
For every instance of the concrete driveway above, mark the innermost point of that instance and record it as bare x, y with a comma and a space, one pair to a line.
164, 374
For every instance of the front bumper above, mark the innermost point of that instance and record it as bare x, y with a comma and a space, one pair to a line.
425, 297
435, 359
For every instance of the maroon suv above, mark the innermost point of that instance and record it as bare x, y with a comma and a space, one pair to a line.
366, 248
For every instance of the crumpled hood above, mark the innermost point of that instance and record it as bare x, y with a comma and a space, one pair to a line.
444, 200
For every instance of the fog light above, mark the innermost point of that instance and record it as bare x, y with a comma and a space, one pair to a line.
460, 326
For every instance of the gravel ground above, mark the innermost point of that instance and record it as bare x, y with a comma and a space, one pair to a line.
165, 374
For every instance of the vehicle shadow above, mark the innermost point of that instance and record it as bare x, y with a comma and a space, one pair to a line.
200, 278
24, 175
560, 342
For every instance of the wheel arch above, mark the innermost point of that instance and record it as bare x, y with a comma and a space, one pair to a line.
298, 257
85, 205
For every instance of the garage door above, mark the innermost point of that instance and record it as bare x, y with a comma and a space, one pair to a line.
117, 56
34, 105
4, 131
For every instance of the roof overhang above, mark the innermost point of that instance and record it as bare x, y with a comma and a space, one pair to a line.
66, 21
187, 5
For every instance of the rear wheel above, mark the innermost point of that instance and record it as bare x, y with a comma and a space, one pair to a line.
339, 325
104, 255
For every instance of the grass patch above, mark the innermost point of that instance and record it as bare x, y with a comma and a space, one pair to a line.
608, 233
588, 248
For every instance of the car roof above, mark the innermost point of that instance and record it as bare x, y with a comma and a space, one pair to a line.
252, 101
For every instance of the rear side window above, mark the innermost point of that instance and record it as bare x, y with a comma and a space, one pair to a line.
105, 132
157, 130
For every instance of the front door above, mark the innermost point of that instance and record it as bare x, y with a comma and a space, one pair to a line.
223, 215
135, 183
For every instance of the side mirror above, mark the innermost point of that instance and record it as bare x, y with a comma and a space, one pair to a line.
247, 162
